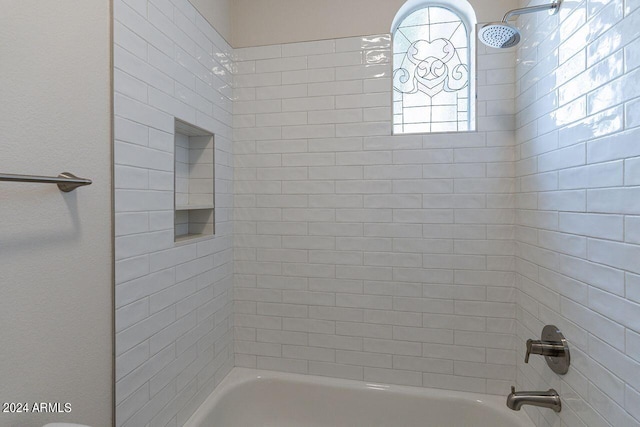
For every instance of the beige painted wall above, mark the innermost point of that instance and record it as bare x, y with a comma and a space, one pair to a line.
218, 13
56, 283
264, 22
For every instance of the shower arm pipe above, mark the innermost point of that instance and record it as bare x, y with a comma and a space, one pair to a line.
531, 9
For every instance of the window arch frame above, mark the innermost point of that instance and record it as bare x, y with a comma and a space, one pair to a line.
467, 15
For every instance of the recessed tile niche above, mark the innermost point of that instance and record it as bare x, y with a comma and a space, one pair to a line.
194, 182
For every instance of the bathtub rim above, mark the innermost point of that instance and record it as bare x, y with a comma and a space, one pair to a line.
239, 376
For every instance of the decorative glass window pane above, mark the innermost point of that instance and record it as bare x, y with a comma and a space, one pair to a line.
432, 73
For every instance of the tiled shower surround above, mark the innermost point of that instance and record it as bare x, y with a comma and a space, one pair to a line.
578, 207
173, 300
363, 255
420, 259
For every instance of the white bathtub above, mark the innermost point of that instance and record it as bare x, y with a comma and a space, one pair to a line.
252, 398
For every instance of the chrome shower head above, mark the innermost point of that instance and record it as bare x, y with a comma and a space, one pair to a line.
502, 34
499, 35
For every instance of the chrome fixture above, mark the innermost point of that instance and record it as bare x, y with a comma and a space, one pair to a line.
554, 347
66, 181
545, 399
502, 34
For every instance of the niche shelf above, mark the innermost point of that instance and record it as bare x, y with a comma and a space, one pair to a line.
194, 186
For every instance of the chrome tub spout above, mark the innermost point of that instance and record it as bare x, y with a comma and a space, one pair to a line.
545, 399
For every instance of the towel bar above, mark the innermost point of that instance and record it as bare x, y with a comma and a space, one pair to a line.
66, 181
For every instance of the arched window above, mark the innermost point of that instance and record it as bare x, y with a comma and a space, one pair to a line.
434, 67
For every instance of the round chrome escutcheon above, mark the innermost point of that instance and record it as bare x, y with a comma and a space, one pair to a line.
559, 364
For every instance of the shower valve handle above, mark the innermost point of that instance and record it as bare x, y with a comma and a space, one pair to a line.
554, 347
544, 348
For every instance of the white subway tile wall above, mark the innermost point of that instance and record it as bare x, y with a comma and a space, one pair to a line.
577, 252
418, 259
174, 339
364, 255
